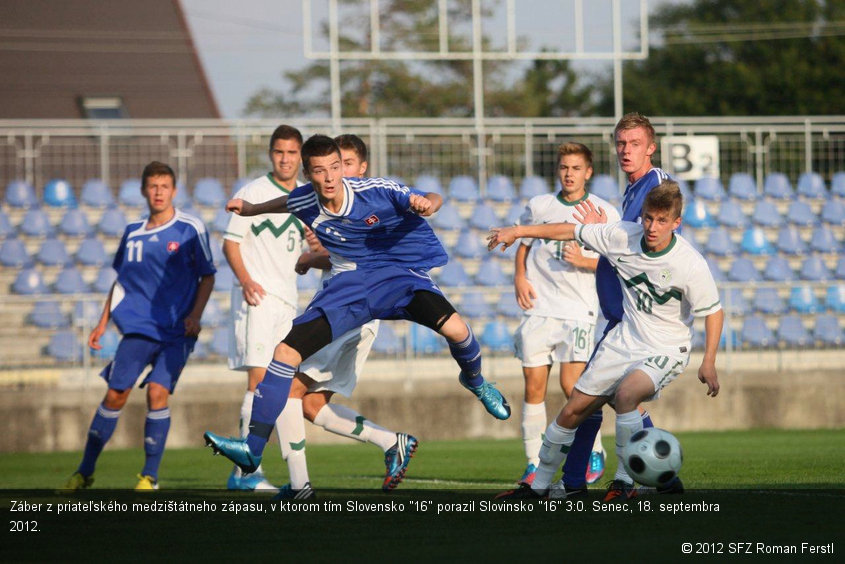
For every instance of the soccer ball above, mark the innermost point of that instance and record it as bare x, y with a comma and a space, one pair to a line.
652, 457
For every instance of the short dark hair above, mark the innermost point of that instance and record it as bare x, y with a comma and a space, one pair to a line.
285, 132
157, 168
666, 196
318, 146
352, 142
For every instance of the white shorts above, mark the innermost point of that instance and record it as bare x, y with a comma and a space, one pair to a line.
254, 331
614, 360
336, 366
542, 341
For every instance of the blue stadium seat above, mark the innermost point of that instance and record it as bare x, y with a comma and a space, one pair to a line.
387, 341
219, 343
112, 223
223, 278
64, 346
424, 340
36, 223
490, 273
754, 242
766, 214
513, 214
835, 298
715, 270
20, 194
216, 244
74, 223
70, 281
463, 189
453, 275
238, 184
823, 240
311, 280
448, 218
209, 192
767, 300
837, 184
789, 241
104, 280
840, 268
58, 193
696, 215
129, 194
532, 186
500, 189
474, 305
497, 337
508, 306
428, 183
469, 245
6, 227
828, 331
191, 210
86, 313
814, 269
13, 254
220, 221
833, 212
800, 214
778, 270
48, 315
108, 345
742, 270
29, 282
96, 194
734, 302
685, 191
778, 187
53, 253
803, 300
605, 186
756, 334
742, 187
719, 243
182, 197
709, 188
484, 217
731, 215
792, 332
811, 185
91, 252
212, 315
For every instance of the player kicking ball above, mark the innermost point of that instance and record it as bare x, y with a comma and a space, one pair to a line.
666, 283
384, 249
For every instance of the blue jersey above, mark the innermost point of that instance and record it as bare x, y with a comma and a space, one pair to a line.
374, 228
158, 271
607, 283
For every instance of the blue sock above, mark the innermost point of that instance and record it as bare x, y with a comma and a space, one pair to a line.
647, 422
99, 433
271, 395
156, 427
467, 353
575, 467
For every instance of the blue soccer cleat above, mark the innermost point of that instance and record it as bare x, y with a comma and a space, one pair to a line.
287, 492
235, 450
249, 482
528, 475
396, 460
595, 469
492, 399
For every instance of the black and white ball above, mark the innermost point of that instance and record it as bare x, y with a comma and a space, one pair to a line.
653, 457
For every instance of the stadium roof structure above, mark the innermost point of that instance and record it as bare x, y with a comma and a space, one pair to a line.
92, 59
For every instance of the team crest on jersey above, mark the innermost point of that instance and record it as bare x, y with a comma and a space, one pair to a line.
172, 247
372, 220
665, 276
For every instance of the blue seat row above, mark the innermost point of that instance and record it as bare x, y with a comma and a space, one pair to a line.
801, 299
764, 214
755, 242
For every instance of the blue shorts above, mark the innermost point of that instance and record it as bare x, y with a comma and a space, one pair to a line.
352, 298
135, 352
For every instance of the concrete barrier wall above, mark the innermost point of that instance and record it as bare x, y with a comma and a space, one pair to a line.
52, 412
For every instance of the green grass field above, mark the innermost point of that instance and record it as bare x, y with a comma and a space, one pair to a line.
772, 487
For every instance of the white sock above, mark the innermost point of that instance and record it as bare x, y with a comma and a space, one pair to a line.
597, 446
533, 425
246, 415
626, 425
290, 428
346, 422
552, 454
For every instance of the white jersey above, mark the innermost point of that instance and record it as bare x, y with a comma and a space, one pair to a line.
563, 291
662, 291
270, 243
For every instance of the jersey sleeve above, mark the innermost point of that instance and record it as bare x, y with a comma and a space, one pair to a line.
701, 291
604, 238
527, 218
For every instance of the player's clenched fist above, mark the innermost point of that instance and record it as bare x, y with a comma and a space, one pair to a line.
238, 206
420, 204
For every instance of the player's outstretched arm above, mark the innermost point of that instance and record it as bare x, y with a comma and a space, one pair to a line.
712, 334
192, 322
506, 236
242, 207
